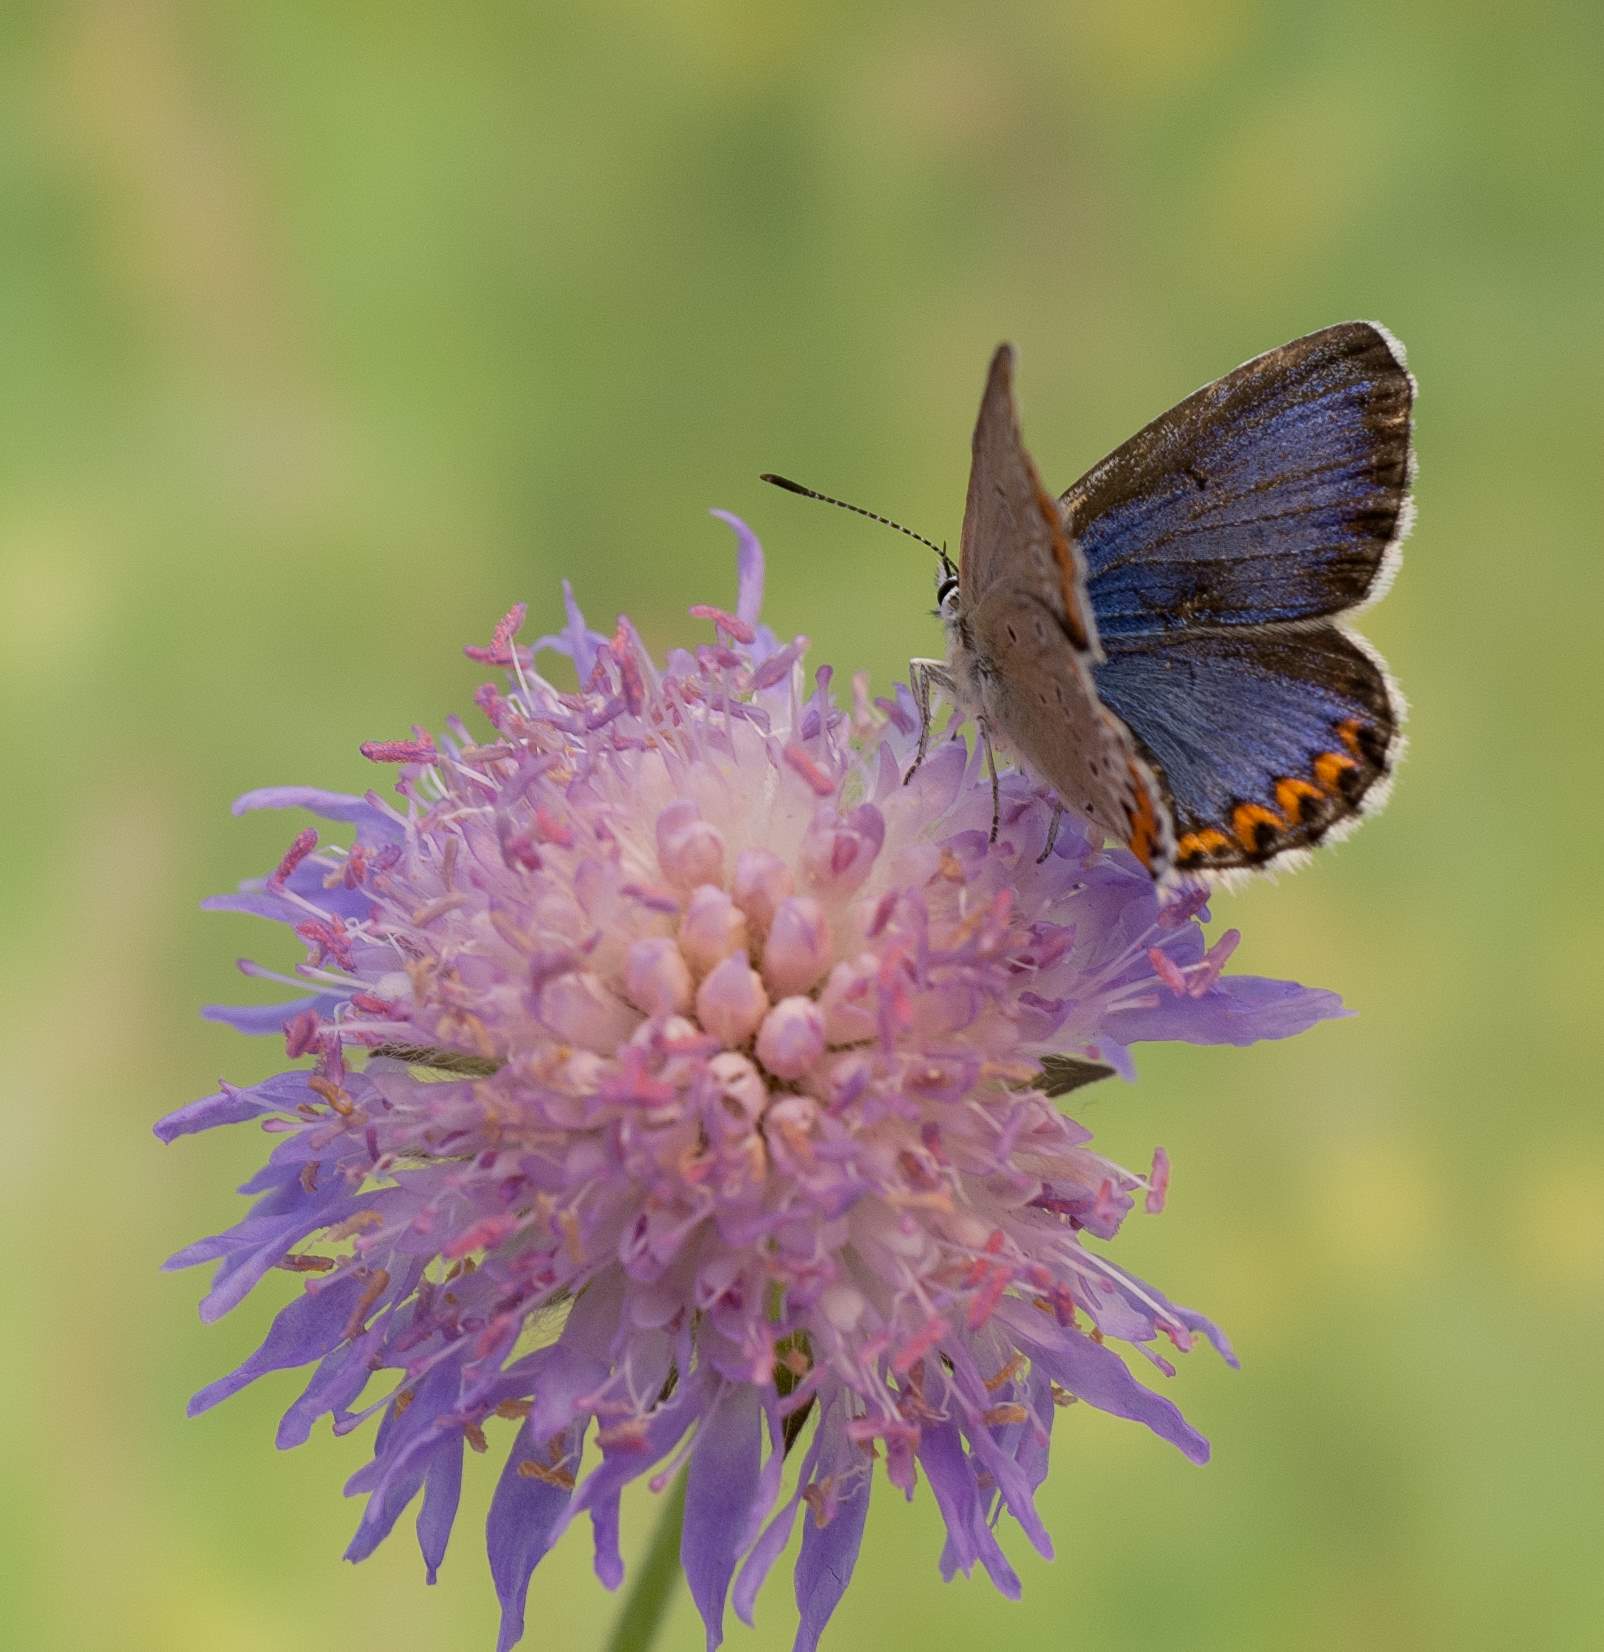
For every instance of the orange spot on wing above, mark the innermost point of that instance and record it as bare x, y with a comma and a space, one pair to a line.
1290, 795
1074, 619
1196, 846
1143, 822
1329, 767
1348, 733
1246, 818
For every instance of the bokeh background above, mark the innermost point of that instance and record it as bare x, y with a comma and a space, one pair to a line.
328, 332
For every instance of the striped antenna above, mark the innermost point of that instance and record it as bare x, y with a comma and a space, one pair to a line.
874, 516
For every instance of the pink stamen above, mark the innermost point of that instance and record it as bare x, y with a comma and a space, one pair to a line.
1167, 970
500, 651
980, 1267
823, 784
1107, 1207
330, 941
1158, 1182
1214, 961
481, 1235
417, 750
726, 622
490, 701
919, 1344
305, 842
549, 828
301, 1033
862, 715
622, 649
984, 1303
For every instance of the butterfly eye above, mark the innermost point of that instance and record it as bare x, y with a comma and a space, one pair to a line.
946, 591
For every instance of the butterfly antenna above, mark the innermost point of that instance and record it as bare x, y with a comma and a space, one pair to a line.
874, 516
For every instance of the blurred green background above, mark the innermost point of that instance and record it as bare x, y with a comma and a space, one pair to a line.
328, 332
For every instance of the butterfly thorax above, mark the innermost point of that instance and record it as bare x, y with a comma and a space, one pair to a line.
972, 672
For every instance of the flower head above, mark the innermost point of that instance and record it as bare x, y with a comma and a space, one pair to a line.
675, 1095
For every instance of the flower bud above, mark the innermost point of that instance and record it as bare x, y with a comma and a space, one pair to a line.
578, 1009
762, 880
712, 928
657, 980
688, 849
849, 1000
798, 946
839, 851
791, 1038
731, 1002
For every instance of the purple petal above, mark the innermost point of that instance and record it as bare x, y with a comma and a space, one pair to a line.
824, 1567
528, 1513
768, 1548
249, 1248
525, 1517
771, 1545
1012, 1479
369, 811
409, 1443
576, 640
748, 567
969, 1535
1190, 1318
719, 1507
270, 1018
940, 776
605, 1483
283, 1092
1238, 1009
336, 1382
256, 900
1100, 1377
302, 1332
344, 1373
442, 1489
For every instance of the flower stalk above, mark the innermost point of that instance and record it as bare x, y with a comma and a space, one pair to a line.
652, 1590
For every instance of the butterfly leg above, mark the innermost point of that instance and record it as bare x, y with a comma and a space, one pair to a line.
923, 676
991, 769
1052, 832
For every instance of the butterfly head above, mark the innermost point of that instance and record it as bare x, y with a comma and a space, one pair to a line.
947, 591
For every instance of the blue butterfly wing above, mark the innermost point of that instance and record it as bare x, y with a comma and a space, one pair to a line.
1219, 542
1262, 740
1272, 495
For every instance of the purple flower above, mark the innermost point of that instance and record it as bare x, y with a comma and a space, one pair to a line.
675, 1098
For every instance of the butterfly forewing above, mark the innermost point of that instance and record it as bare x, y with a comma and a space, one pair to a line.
1007, 507
1024, 645
1272, 495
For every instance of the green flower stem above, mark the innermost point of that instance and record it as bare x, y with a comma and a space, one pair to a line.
653, 1583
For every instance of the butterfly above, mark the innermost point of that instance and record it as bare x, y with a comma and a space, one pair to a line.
1161, 644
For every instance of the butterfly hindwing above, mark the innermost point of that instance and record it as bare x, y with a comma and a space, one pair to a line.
1036, 695
1273, 495
1263, 740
